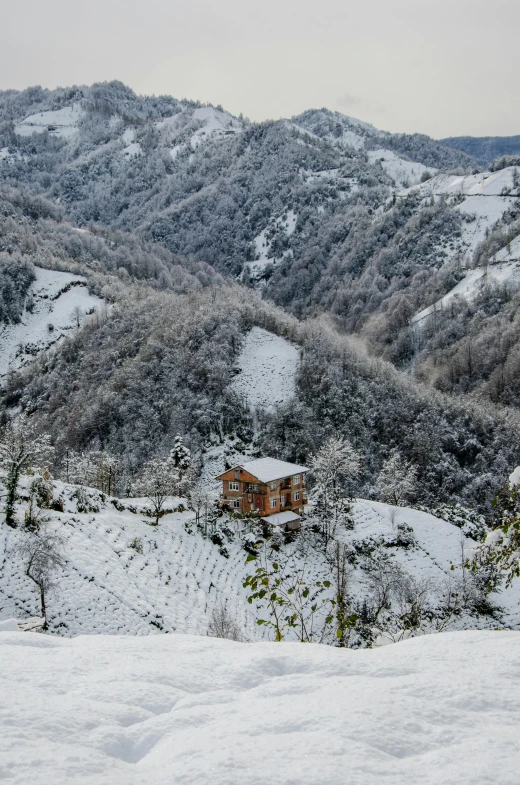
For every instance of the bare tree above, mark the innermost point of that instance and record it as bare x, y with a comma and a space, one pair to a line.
334, 467
223, 624
398, 601
42, 553
397, 479
78, 315
159, 479
200, 501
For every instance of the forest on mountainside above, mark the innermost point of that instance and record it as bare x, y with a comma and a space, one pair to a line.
167, 206
161, 364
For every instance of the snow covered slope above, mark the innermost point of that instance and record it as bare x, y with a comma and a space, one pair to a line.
483, 201
267, 369
191, 710
401, 171
60, 300
473, 283
122, 575
60, 122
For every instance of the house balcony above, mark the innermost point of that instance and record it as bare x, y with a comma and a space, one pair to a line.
260, 490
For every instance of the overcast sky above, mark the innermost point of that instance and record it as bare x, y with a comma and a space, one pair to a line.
444, 68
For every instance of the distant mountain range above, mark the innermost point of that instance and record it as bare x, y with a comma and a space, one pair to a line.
484, 149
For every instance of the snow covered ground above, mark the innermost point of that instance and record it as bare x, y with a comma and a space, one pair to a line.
473, 283
122, 575
404, 173
61, 122
485, 199
55, 313
268, 365
189, 710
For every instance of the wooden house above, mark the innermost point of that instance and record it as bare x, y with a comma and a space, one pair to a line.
275, 490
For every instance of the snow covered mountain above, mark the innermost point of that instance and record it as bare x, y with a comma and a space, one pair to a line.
59, 303
485, 148
321, 213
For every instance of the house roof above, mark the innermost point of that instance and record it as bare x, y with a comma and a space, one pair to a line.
280, 518
270, 469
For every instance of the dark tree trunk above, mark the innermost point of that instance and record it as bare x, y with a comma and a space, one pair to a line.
12, 484
45, 626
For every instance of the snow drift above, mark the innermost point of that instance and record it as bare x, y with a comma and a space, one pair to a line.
191, 710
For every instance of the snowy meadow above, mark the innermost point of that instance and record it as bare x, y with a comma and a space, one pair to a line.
119, 710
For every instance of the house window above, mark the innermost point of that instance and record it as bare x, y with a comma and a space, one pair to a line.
272, 486
233, 486
282, 501
274, 502
297, 496
296, 479
235, 504
237, 474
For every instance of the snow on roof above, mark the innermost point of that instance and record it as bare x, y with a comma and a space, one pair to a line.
281, 518
269, 469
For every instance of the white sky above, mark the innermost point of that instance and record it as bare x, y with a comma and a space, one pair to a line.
443, 67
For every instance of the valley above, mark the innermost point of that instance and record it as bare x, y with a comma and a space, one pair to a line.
184, 291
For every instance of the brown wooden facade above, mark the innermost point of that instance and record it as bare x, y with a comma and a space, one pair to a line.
244, 493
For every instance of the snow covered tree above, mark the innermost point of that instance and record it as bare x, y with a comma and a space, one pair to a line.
502, 545
42, 552
202, 502
334, 467
181, 456
159, 479
96, 469
396, 481
20, 449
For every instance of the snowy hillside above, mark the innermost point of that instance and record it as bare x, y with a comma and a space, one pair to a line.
267, 367
152, 711
474, 281
401, 171
61, 122
122, 575
59, 303
484, 200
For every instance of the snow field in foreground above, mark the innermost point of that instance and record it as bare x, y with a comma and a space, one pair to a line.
437, 710
268, 365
